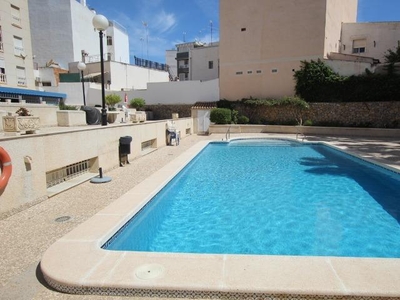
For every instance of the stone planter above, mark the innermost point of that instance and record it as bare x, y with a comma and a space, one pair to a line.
68, 118
112, 116
16, 125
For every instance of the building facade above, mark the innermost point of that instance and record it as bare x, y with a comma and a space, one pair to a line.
262, 42
62, 32
194, 61
370, 39
16, 59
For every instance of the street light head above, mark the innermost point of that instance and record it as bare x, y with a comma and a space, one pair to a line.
81, 66
100, 22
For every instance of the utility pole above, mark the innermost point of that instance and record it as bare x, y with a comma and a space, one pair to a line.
211, 26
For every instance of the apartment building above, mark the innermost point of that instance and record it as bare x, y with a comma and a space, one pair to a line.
370, 39
262, 42
16, 60
63, 32
194, 61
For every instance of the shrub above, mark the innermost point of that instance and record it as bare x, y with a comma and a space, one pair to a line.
63, 106
221, 116
243, 120
111, 100
137, 103
307, 123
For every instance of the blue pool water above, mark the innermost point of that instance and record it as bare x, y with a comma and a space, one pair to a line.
271, 197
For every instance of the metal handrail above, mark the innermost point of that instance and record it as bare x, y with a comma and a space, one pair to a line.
228, 133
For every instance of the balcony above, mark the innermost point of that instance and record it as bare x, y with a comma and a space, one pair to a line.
3, 78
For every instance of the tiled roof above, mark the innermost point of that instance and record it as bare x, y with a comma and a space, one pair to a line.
204, 105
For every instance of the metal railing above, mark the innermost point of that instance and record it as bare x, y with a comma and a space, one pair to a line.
67, 173
3, 78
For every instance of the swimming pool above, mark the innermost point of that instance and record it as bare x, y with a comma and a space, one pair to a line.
77, 264
271, 197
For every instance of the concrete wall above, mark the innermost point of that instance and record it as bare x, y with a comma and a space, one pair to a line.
52, 151
263, 41
349, 68
46, 113
337, 12
379, 38
177, 92
120, 43
60, 30
306, 130
200, 58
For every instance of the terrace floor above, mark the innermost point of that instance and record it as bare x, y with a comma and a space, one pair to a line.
25, 236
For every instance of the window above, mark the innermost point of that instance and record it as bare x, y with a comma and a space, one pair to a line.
21, 76
359, 46
258, 71
3, 78
249, 72
109, 40
239, 73
243, 29
274, 70
15, 15
211, 64
18, 46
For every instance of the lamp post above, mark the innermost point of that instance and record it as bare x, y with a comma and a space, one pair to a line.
82, 66
100, 23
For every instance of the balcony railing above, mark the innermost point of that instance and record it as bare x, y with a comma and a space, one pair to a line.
21, 81
3, 78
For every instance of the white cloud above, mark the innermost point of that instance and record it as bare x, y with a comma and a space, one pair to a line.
163, 22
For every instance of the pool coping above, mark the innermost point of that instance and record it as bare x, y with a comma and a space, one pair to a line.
77, 264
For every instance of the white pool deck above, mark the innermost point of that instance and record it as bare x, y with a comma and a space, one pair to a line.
75, 263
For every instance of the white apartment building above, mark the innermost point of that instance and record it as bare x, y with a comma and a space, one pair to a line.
62, 32
194, 61
370, 39
263, 41
17, 74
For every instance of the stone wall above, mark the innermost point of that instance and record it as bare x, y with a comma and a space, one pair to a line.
162, 112
355, 114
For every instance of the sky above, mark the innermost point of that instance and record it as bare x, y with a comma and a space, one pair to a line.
155, 26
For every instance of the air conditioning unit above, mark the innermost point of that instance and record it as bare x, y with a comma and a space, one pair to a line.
37, 79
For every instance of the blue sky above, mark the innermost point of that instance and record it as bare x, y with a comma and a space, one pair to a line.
170, 22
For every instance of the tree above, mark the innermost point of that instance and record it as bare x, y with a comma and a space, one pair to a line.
137, 103
111, 100
312, 79
392, 57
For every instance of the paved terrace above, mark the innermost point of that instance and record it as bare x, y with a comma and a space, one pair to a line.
25, 236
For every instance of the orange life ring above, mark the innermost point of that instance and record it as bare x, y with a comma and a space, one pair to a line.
6, 168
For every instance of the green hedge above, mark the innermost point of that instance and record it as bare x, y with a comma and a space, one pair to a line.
316, 82
221, 116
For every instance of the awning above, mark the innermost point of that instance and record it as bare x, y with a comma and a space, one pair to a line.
16, 91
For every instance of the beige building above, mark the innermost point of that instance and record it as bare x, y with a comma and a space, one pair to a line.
16, 61
262, 42
370, 39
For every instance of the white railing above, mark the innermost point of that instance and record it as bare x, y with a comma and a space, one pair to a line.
3, 78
